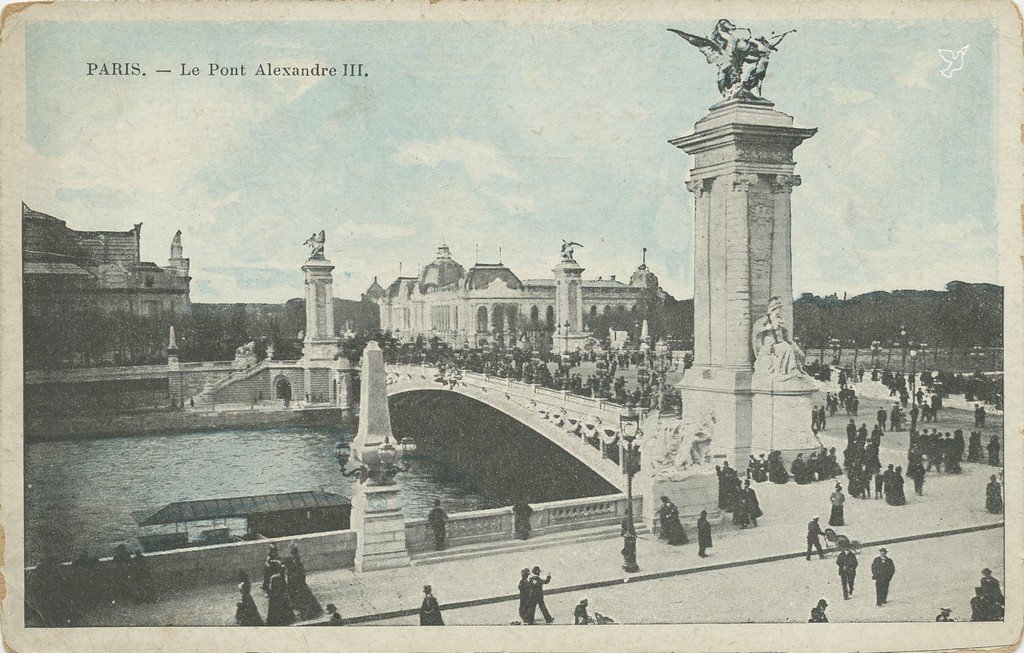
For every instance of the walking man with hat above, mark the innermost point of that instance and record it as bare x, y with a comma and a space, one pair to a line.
882, 571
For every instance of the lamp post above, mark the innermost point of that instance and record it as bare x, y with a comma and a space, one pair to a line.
629, 427
856, 353
906, 348
876, 349
837, 349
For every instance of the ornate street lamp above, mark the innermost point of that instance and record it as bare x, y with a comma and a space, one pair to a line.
379, 464
629, 428
876, 349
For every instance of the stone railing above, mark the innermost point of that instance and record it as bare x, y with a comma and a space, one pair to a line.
498, 524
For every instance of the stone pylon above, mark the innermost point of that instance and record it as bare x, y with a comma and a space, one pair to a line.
569, 334
327, 375
376, 506
742, 179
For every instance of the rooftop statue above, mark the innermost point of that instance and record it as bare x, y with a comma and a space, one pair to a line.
742, 62
315, 243
568, 247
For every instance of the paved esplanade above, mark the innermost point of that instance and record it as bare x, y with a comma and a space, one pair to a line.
950, 503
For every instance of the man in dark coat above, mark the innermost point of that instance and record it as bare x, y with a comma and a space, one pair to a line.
813, 533
527, 609
847, 563
881, 416
703, 534
882, 571
751, 503
993, 451
521, 512
537, 593
438, 521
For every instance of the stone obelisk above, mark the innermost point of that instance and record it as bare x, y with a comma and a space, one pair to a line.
741, 179
376, 504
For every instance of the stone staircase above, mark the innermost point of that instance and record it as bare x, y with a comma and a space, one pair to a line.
205, 397
579, 536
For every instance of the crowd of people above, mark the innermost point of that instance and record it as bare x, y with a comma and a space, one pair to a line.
289, 598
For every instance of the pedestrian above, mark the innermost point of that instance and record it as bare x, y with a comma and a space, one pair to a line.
881, 416
838, 499
246, 612
537, 593
526, 606
944, 615
521, 513
982, 608
882, 571
916, 472
818, 613
703, 534
752, 505
268, 566
974, 449
993, 451
279, 608
994, 496
847, 563
438, 521
990, 589
430, 610
813, 533
671, 528
580, 616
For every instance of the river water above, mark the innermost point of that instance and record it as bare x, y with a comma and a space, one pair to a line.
80, 494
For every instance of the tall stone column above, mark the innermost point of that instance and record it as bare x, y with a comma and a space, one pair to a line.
376, 503
569, 334
741, 179
320, 342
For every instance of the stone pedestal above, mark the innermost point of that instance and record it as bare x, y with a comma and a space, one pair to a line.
377, 518
376, 503
741, 179
781, 418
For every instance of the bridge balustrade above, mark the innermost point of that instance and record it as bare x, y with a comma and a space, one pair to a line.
498, 524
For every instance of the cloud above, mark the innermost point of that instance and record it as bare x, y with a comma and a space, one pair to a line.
921, 70
372, 229
850, 95
480, 160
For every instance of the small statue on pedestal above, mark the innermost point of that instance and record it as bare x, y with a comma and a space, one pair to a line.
568, 248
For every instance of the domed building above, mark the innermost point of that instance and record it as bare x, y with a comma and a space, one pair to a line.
490, 304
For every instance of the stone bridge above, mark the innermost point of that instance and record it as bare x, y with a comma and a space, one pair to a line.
587, 429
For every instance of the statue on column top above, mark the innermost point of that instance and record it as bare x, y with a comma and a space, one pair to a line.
568, 247
742, 62
315, 243
775, 354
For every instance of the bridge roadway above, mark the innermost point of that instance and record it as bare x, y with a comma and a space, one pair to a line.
587, 429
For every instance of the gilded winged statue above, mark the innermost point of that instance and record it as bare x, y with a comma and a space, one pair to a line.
742, 62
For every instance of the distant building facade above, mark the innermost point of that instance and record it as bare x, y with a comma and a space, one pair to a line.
490, 304
98, 269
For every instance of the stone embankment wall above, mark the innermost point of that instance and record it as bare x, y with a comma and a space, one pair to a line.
63, 427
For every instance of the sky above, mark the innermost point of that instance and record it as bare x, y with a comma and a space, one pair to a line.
510, 136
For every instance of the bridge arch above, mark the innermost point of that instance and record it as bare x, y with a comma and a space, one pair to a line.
567, 422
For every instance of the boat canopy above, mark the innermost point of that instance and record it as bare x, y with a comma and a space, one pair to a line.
210, 509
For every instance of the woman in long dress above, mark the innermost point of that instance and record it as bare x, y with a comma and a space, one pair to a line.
672, 529
430, 610
994, 496
838, 499
246, 612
